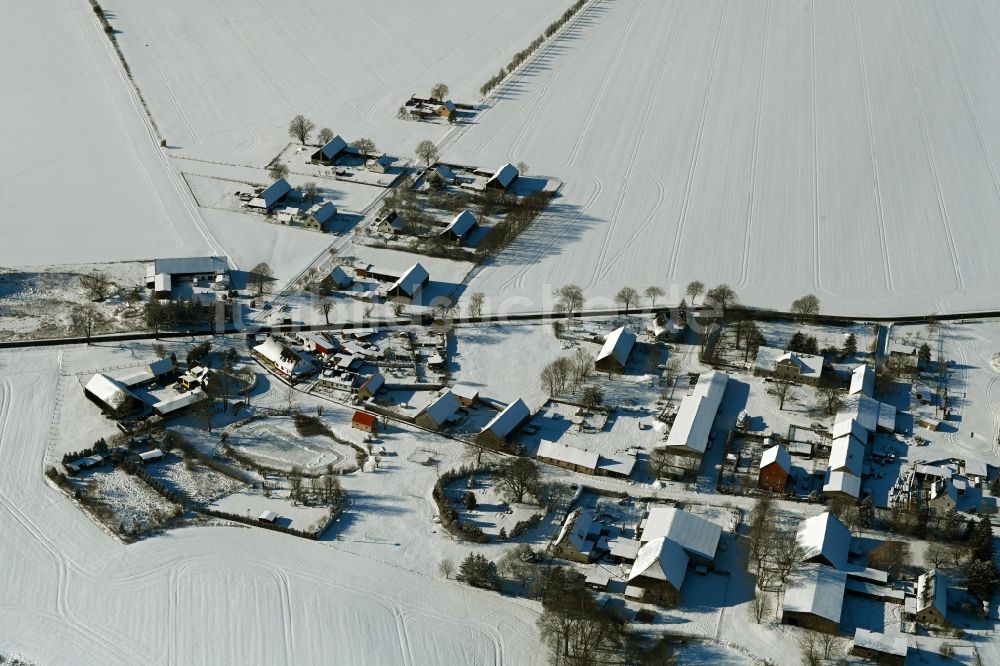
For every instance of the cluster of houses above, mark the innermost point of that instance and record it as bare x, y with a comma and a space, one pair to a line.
420, 108
458, 230
118, 399
163, 275
316, 217
473, 179
940, 484
658, 552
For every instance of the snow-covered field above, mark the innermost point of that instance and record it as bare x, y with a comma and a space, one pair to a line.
841, 148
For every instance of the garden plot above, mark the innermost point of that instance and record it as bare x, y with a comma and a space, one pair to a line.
194, 480
274, 443
251, 504
492, 512
134, 506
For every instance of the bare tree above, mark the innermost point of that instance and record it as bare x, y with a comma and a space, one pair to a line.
787, 555
324, 305
582, 368
97, 285
829, 399
365, 146
159, 350
439, 92
805, 307
277, 170
479, 447
760, 606
309, 191
300, 128
625, 297
476, 304
722, 296
570, 298
695, 289
937, 554
427, 151
653, 293
672, 368
516, 478
325, 136
890, 556
522, 168
783, 391
446, 568
810, 649
261, 277
84, 320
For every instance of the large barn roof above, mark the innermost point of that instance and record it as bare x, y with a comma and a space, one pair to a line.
441, 409
661, 559
110, 392
820, 592
461, 225
847, 455
273, 194
692, 533
619, 345
824, 535
333, 147
567, 454
862, 381
188, 266
512, 416
505, 175
410, 281
693, 423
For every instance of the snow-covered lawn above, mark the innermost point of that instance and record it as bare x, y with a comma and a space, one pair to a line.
275, 443
492, 511
135, 506
197, 482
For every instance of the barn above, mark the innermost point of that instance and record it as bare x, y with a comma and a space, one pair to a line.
775, 465
615, 353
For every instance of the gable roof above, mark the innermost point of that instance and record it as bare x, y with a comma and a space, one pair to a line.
465, 392
567, 454
505, 175
441, 409
285, 358
877, 642
848, 425
820, 592
510, 418
576, 528
869, 413
187, 266
847, 455
410, 281
364, 418
618, 344
110, 392
162, 366
333, 147
842, 482
461, 224
322, 212
809, 365
374, 383
273, 194
661, 559
693, 423
443, 172
340, 277
692, 533
824, 536
179, 402
862, 381
776, 455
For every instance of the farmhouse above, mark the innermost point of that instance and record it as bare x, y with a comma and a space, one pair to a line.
319, 216
692, 426
882, 649
287, 216
364, 421
847, 455
659, 568
503, 178
284, 360
841, 484
163, 274
568, 457
460, 227
441, 174
774, 362
379, 164
194, 377
617, 348
318, 343
467, 395
437, 414
824, 540
111, 396
577, 540
506, 422
775, 465
338, 278
177, 405
272, 195
420, 108
930, 605
333, 149
410, 283
390, 223
698, 537
816, 601
862, 381
371, 386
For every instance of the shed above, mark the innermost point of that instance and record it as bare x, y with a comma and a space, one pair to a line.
504, 177
371, 386
615, 353
111, 396
364, 421
880, 648
506, 422
775, 465
410, 283
460, 227
272, 195
437, 414
268, 517
330, 151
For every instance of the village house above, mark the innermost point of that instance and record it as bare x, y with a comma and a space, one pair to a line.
775, 465
467, 395
503, 425
162, 275
615, 353
420, 108
824, 540
380, 164
943, 496
319, 216
318, 343
441, 174
364, 421
371, 386
692, 427
816, 600
930, 605
459, 229
177, 405
283, 359
287, 216
338, 279
409, 284
841, 484
273, 194
659, 569
697, 536
503, 178
437, 414
114, 399
329, 153
879, 648
781, 364
389, 222
577, 539
567, 457
862, 381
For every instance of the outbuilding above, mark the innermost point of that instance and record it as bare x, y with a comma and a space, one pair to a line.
615, 353
775, 465
364, 421
330, 151
503, 425
410, 283
272, 195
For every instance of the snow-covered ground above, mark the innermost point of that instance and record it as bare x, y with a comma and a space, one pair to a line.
843, 149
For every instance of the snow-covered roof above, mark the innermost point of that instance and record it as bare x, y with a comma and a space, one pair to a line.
284, 358
441, 409
693, 533
975, 467
272, 194
862, 381
932, 591
869, 413
112, 393
154, 454
871, 640
322, 212
268, 516
162, 367
187, 266
179, 402
135, 378
510, 418
848, 425
414, 278
448, 104
461, 224
505, 175
819, 591
847, 455
391, 218
340, 278
842, 482
465, 392
620, 464
567, 454
444, 173
693, 423
824, 536
576, 528
333, 147
809, 365
778, 455
944, 488
626, 549
661, 559
374, 383
618, 344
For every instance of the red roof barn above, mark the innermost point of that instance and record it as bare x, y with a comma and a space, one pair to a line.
364, 421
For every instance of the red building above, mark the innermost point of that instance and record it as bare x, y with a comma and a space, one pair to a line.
775, 464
